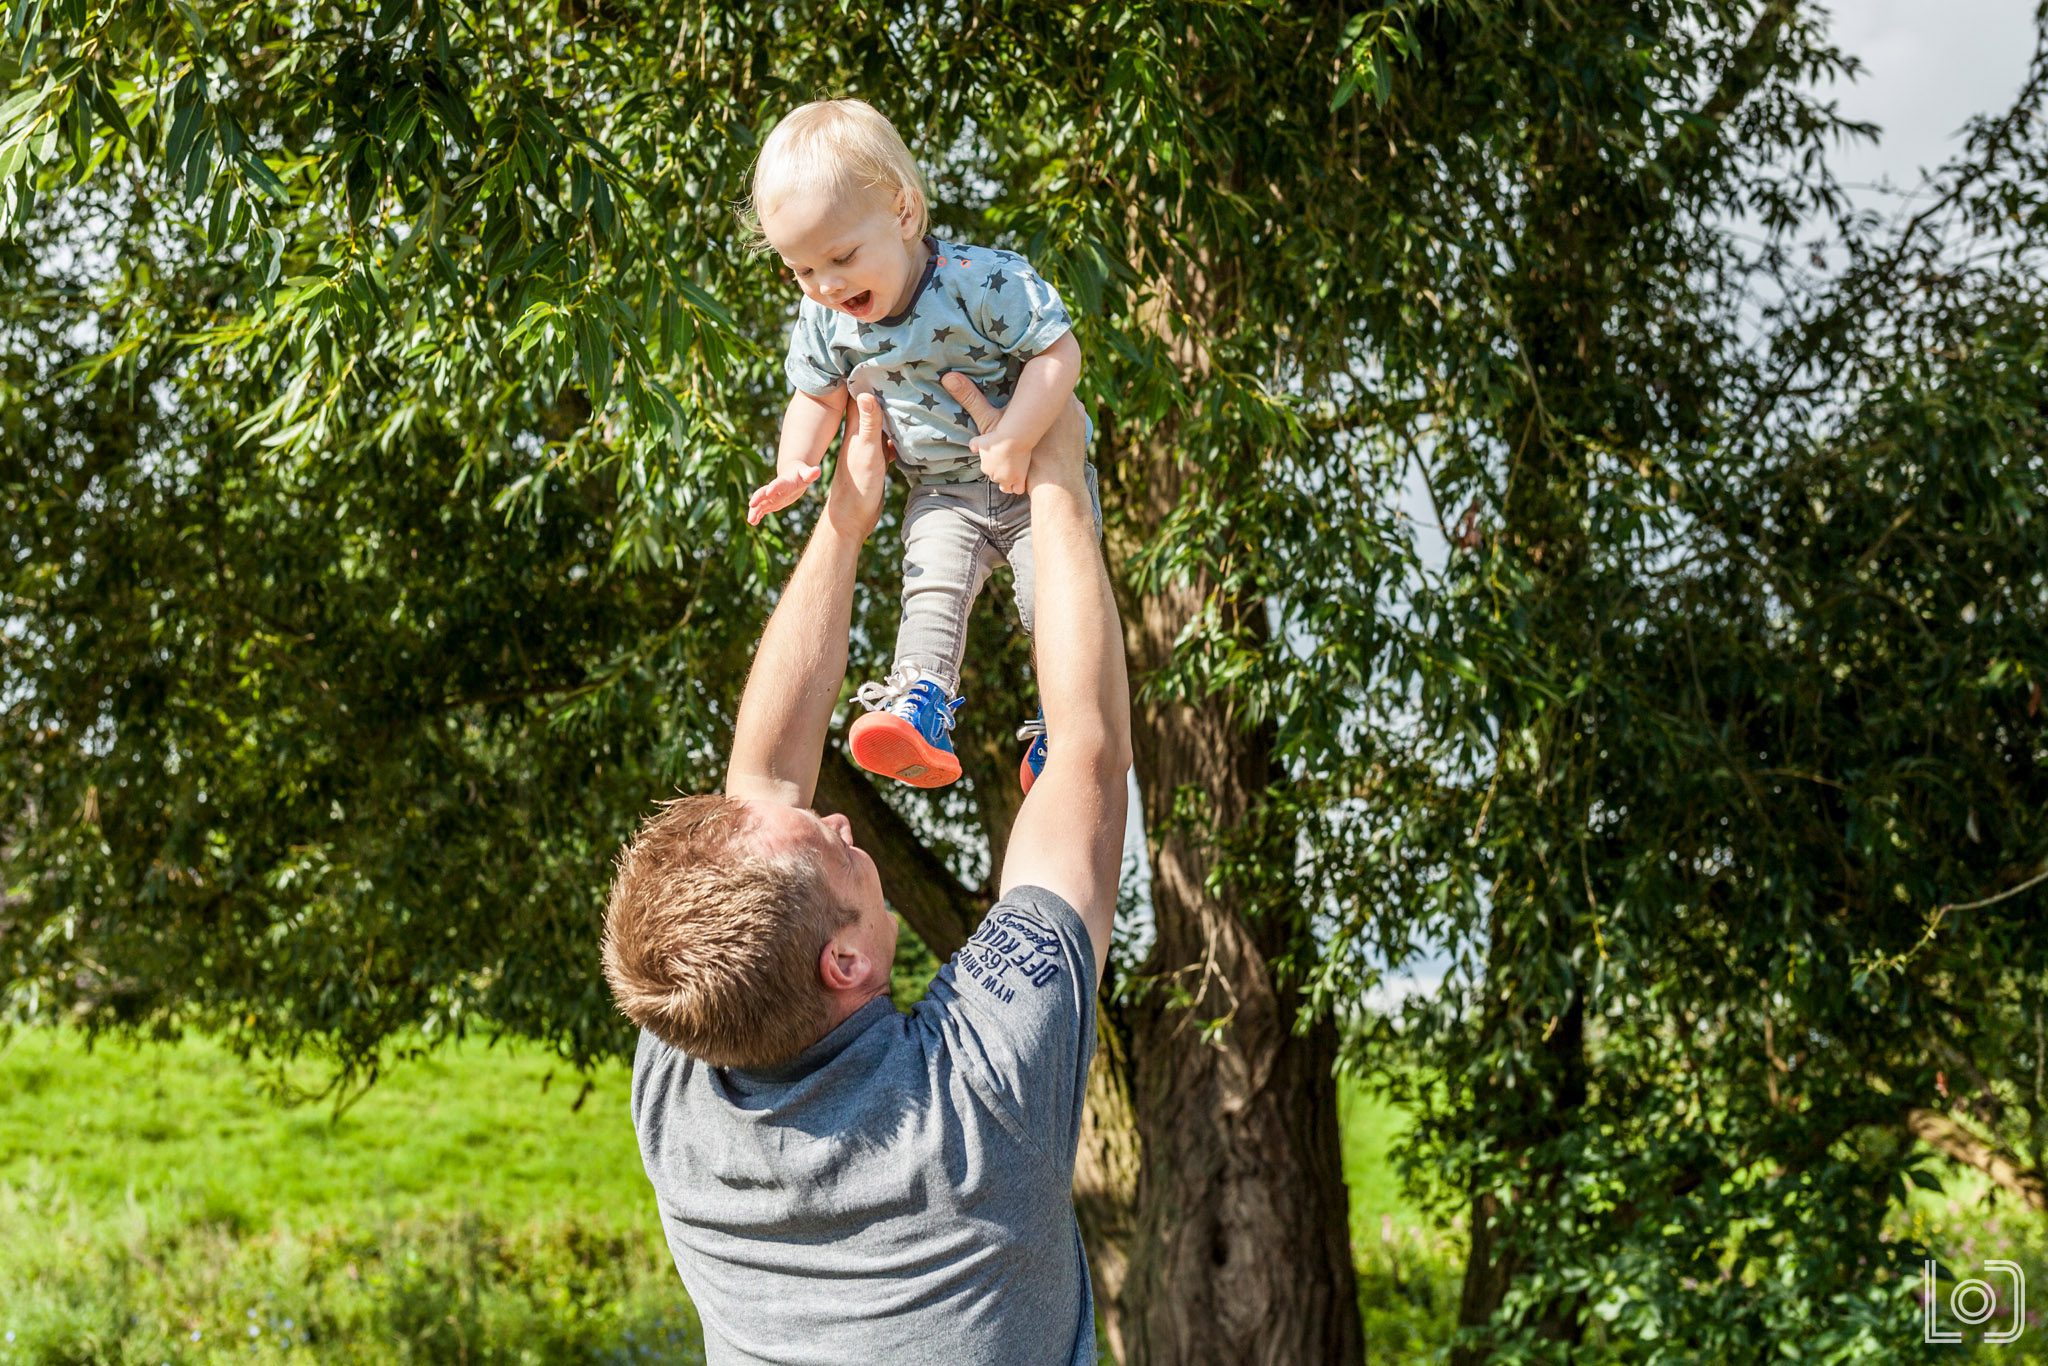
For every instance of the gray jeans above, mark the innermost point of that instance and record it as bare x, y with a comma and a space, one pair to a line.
953, 535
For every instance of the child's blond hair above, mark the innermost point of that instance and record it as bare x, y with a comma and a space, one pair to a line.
834, 147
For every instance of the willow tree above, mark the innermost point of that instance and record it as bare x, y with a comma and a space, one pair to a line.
384, 383
1716, 750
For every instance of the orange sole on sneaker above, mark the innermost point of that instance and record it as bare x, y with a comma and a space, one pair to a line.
1025, 777
890, 746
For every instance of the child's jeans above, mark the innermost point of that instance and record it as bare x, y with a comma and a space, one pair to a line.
953, 535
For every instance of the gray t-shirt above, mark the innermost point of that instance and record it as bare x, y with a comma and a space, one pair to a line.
901, 1191
977, 310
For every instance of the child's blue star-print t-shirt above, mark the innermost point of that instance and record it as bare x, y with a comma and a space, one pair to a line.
977, 310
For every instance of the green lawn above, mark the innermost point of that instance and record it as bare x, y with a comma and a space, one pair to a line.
157, 1205
1408, 1272
188, 1130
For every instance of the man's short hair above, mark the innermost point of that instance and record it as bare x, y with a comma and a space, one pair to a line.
712, 947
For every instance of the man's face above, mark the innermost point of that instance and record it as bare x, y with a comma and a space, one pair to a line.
850, 874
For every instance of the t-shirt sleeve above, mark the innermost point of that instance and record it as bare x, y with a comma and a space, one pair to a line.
812, 366
1016, 1005
1017, 310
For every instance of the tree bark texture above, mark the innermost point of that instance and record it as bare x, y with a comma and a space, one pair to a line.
2009, 1173
1240, 1251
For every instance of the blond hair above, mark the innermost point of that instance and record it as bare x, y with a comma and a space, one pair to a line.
835, 147
714, 949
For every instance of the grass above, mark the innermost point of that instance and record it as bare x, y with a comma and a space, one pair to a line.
188, 1129
1408, 1270
156, 1205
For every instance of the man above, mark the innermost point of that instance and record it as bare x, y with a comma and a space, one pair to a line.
839, 1181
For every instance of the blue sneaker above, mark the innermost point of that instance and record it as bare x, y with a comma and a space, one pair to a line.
1033, 762
906, 733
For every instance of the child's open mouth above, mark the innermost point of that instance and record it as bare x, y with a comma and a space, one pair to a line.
859, 304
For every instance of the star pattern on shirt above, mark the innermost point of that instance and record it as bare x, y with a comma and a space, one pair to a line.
864, 330
997, 327
939, 334
977, 353
995, 281
895, 376
928, 403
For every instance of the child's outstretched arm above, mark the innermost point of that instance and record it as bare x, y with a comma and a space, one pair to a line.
1042, 393
807, 427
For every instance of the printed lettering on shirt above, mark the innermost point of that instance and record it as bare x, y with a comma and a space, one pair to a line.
1010, 950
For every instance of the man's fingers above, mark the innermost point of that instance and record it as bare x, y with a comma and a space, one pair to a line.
869, 413
969, 396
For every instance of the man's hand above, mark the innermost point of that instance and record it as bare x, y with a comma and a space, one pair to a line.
862, 478
1007, 463
779, 735
779, 492
1061, 454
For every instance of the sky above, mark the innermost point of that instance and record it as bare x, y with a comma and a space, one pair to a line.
1928, 67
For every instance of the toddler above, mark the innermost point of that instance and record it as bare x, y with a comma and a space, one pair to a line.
889, 309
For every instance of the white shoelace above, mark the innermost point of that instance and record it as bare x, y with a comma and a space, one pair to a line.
892, 695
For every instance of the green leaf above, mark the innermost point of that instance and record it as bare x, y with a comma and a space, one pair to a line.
110, 112
594, 351
190, 111
265, 179
390, 14
19, 104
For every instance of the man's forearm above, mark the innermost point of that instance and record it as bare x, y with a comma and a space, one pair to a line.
779, 738
1068, 836
1082, 678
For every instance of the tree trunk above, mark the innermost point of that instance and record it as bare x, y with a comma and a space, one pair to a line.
1241, 1250
1106, 1176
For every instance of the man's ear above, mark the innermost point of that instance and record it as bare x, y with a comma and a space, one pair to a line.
841, 964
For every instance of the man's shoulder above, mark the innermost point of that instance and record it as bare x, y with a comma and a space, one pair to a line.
1046, 923
1015, 1006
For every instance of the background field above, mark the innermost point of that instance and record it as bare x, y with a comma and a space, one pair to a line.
157, 1205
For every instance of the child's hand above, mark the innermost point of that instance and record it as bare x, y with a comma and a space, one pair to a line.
1005, 462
779, 492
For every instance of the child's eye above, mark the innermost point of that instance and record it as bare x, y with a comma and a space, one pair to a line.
842, 260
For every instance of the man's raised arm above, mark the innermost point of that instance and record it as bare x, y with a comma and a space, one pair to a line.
1069, 836
779, 738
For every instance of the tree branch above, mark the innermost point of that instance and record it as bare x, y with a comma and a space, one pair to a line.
942, 909
1745, 71
2005, 1171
